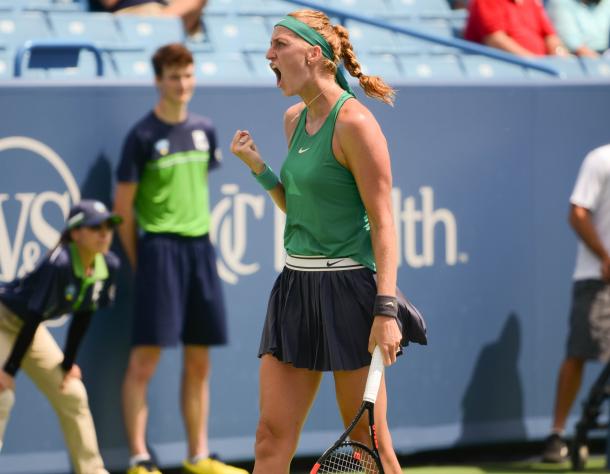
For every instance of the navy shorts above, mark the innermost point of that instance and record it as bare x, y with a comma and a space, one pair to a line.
178, 294
589, 336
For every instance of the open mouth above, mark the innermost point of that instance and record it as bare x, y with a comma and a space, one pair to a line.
277, 72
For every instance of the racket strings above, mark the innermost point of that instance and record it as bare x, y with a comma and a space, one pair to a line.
349, 459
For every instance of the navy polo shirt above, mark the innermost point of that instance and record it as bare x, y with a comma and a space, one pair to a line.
170, 163
58, 285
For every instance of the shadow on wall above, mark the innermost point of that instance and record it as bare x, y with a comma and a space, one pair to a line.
98, 182
493, 401
105, 350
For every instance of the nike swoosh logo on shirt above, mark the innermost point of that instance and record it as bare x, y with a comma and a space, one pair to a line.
330, 264
303, 150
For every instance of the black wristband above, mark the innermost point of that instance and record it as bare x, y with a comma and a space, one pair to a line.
385, 306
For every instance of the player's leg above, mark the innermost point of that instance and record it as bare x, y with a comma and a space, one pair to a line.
204, 325
349, 389
195, 398
42, 363
286, 395
586, 340
159, 301
143, 361
568, 385
9, 328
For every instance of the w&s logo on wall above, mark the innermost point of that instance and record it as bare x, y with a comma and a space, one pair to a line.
36, 192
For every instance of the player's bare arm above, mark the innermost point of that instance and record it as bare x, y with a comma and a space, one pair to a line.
123, 205
245, 149
582, 223
361, 147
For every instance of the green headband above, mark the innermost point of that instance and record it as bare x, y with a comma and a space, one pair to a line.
315, 39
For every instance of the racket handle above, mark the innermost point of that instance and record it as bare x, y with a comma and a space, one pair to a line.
374, 378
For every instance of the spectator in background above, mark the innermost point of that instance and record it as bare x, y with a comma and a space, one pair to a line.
520, 27
583, 25
163, 182
189, 10
588, 336
458, 4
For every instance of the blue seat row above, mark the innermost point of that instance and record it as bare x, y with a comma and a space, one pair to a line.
104, 29
378, 8
43, 5
252, 66
475, 67
232, 33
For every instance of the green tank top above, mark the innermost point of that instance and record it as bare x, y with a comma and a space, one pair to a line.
325, 215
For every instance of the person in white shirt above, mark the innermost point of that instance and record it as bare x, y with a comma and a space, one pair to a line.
589, 334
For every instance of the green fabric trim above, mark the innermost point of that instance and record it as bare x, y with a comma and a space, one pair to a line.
100, 273
267, 178
315, 39
177, 159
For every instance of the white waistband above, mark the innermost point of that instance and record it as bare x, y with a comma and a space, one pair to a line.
321, 264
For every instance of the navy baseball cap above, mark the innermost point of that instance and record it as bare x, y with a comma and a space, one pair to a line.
89, 212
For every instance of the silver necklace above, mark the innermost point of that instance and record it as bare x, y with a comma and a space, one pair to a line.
308, 105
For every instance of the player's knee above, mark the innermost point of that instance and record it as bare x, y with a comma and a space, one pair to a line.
7, 400
196, 369
73, 395
141, 369
271, 440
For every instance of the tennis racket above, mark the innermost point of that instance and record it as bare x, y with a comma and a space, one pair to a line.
351, 456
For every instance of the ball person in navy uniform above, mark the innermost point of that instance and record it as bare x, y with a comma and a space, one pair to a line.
78, 277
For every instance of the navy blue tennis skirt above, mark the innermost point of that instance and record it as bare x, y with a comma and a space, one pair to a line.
319, 314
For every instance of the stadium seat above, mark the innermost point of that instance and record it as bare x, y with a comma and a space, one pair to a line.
482, 67
599, 68
441, 67
384, 65
97, 27
252, 7
64, 56
376, 8
86, 68
370, 39
221, 7
18, 27
225, 67
457, 22
260, 67
6, 64
50, 5
150, 32
6, 6
570, 67
133, 65
421, 8
263, 7
412, 45
237, 33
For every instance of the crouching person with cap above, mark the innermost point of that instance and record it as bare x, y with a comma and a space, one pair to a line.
76, 277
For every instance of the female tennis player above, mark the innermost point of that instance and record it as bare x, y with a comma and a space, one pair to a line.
76, 277
335, 300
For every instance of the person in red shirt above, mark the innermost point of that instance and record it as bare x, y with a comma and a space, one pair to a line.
521, 27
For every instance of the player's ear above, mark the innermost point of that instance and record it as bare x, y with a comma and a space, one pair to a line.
314, 53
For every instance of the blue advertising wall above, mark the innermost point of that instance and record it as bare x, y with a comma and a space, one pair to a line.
482, 177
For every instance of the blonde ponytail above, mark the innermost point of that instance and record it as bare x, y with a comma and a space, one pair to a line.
373, 86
